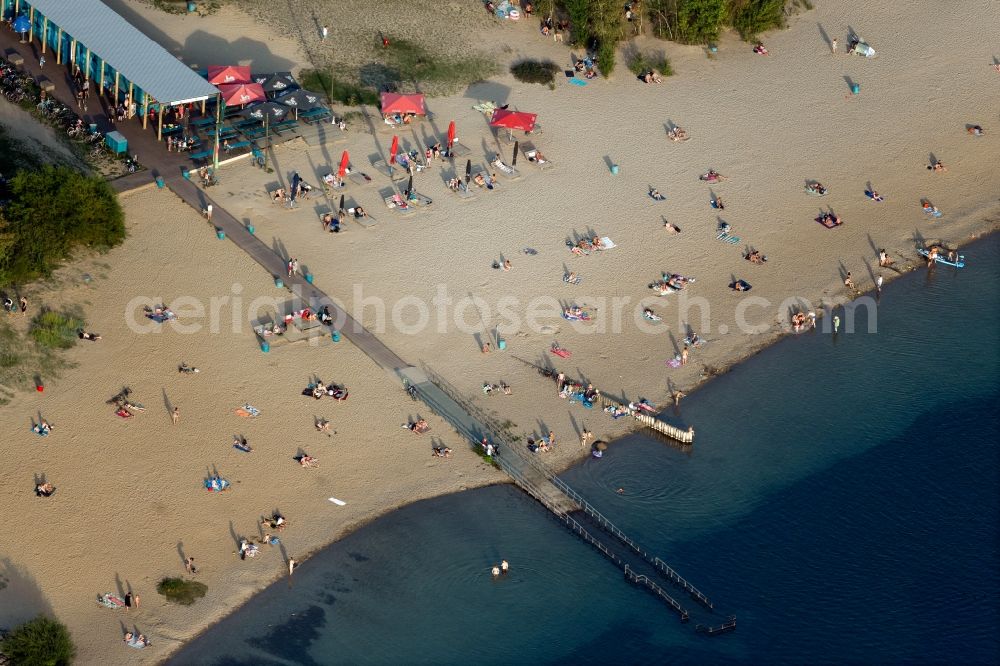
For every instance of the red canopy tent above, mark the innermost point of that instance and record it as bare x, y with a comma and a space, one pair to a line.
241, 93
515, 120
396, 103
218, 74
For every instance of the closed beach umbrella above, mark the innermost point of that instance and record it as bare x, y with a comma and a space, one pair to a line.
341, 209
451, 134
409, 187
344, 161
468, 171
393, 150
513, 160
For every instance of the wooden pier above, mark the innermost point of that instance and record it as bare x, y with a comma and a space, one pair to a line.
565, 504
662, 427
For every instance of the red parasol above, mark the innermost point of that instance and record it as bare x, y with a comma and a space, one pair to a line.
513, 120
228, 74
396, 103
393, 150
344, 161
237, 94
451, 134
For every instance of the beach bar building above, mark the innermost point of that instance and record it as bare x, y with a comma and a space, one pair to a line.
112, 54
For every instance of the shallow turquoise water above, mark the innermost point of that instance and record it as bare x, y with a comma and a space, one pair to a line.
842, 499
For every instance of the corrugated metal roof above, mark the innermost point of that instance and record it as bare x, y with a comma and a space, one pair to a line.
120, 44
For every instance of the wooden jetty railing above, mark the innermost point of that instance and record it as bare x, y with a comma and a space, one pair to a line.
683, 436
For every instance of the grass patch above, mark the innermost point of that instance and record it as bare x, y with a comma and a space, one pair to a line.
21, 358
180, 591
535, 71
409, 62
55, 330
337, 90
640, 62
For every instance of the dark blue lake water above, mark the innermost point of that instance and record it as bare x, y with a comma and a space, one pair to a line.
841, 499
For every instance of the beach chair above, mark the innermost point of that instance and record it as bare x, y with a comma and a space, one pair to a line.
532, 155
511, 173
359, 177
367, 221
398, 204
490, 184
418, 200
394, 172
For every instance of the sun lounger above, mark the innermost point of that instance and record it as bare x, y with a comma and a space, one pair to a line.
366, 221
531, 154
458, 149
399, 204
510, 172
395, 173
489, 180
419, 200
359, 178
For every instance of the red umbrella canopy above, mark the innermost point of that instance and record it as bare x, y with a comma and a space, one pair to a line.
241, 93
396, 103
345, 160
514, 120
451, 133
228, 74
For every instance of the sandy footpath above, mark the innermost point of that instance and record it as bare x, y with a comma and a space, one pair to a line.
129, 498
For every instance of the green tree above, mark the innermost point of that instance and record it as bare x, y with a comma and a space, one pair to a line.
39, 642
699, 21
579, 19
54, 210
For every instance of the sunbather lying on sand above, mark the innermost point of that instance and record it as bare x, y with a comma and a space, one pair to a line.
677, 134
655, 194
308, 461
671, 228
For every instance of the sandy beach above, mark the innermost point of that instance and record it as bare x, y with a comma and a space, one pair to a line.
130, 504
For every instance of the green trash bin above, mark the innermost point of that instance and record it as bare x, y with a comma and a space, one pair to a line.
220, 234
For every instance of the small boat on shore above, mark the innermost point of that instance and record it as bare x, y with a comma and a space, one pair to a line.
959, 261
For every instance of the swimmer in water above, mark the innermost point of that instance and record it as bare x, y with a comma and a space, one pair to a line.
836, 323
620, 491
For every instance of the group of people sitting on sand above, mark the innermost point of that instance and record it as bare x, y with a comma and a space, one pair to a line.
815, 187
490, 389
275, 521
801, 320
306, 460
586, 66
420, 426
488, 181
677, 134
332, 181
669, 283
586, 245
441, 452
456, 184
829, 220
759, 49
755, 257
539, 445
884, 260
320, 390
44, 489
649, 76
937, 165
399, 118
42, 428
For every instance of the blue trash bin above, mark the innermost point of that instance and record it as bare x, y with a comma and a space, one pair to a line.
614, 169
265, 347
279, 283
335, 336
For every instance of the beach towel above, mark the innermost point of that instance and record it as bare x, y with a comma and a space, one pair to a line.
562, 353
606, 243
216, 484
674, 362
136, 643
337, 501
111, 601
487, 108
247, 411
40, 430
578, 82
726, 238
